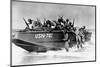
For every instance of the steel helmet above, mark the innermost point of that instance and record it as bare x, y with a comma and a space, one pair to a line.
30, 21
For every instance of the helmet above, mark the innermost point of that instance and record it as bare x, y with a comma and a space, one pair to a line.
30, 21
67, 20
83, 27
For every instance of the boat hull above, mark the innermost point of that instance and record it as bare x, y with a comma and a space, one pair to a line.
39, 41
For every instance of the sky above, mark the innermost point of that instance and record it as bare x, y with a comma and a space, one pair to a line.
83, 15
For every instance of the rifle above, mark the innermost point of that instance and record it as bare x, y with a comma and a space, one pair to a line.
73, 21
26, 23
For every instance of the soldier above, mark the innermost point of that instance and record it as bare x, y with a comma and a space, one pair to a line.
44, 24
37, 25
57, 25
60, 19
33, 25
71, 26
53, 24
67, 21
82, 33
68, 25
30, 23
78, 37
61, 22
48, 23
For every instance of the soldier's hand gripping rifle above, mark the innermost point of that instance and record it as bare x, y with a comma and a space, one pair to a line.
27, 26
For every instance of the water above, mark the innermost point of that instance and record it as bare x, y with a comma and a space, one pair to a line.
21, 57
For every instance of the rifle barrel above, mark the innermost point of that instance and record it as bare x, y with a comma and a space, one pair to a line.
26, 23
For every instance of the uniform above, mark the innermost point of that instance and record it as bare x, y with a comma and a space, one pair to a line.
78, 38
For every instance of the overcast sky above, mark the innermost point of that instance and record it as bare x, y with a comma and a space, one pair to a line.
84, 15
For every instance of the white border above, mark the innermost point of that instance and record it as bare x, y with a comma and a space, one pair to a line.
5, 33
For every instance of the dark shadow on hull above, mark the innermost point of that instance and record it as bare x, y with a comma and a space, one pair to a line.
30, 47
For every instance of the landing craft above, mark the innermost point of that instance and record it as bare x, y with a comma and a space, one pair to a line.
42, 41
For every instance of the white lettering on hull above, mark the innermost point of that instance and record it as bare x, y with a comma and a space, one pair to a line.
43, 36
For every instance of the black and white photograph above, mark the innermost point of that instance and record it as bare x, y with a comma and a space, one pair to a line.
52, 33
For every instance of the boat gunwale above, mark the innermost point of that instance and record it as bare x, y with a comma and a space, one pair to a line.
21, 31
